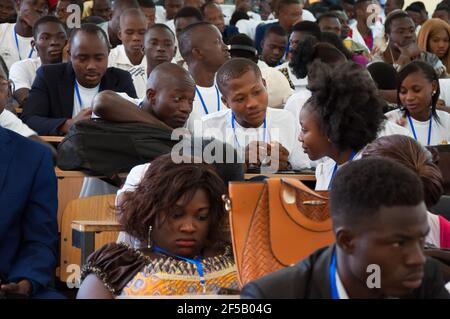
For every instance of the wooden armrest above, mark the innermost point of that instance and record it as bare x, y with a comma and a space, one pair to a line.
52, 139
61, 174
96, 226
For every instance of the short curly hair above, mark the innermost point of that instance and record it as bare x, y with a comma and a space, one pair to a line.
347, 103
361, 188
164, 183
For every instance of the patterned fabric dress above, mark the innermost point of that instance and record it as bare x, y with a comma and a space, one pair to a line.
165, 275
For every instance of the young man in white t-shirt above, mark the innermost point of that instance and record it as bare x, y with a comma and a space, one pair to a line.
112, 26
15, 38
49, 40
202, 48
255, 130
129, 56
159, 46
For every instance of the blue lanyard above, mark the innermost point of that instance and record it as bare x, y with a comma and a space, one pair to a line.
196, 262
236, 142
335, 169
205, 108
17, 45
332, 277
414, 131
77, 92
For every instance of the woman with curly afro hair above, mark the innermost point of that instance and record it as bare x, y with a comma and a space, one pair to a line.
342, 116
177, 213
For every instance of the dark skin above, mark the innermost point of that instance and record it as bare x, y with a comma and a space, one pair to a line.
28, 14
332, 25
172, 7
49, 43
295, 39
443, 15
349, 10
343, 19
243, 5
247, 97
390, 6
102, 8
194, 3
418, 17
183, 22
89, 57
213, 14
132, 32
402, 42
183, 231
394, 240
273, 48
315, 142
7, 9
363, 12
207, 55
415, 94
114, 23
168, 103
159, 47
288, 15
150, 14
61, 11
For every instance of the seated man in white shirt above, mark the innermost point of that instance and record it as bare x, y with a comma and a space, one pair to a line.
50, 37
15, 38
159, 45
278, 88
172, 7
260, 135
148, 7
102, 9
129, 55
112, 26
7, 11
202, 48
274, 45
186, 16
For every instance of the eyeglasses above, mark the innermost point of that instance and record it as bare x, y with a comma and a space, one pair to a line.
7, 84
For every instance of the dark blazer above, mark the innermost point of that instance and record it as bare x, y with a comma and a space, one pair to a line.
309, 279
50, 102
28, 208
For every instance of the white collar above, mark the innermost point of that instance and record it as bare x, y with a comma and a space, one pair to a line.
122, 57
342, 293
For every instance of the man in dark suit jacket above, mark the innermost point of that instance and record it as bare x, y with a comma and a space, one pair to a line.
28, 222
380, 223
49, 109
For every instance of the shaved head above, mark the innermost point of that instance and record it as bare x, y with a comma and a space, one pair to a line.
170, 94
133, 13
167, 74
191, 37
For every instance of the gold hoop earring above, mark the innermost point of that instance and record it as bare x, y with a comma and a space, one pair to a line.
149, 243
